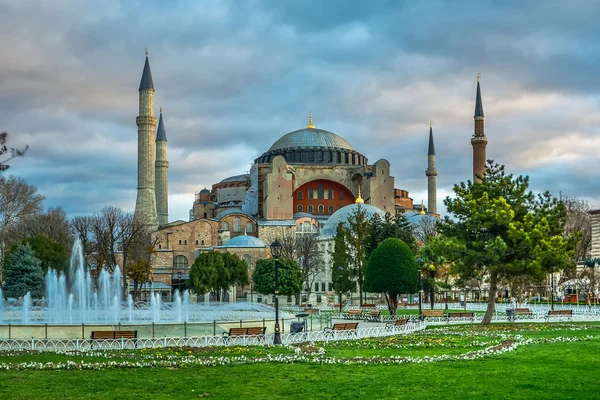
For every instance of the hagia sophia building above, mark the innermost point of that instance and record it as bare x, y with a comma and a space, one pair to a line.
308, 181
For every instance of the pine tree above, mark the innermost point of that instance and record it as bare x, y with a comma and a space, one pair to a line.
23, 273
341, 263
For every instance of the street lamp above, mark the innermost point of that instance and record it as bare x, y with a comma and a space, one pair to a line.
275, 251
340, 269
420, 264
446, 291
552, 294
179, 280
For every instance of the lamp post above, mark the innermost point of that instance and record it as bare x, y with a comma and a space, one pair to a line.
420, 264
179, 280
340, 269
446, 291
275, 251
552, 294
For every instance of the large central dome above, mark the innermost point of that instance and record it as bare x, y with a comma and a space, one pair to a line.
311, 138
313, 146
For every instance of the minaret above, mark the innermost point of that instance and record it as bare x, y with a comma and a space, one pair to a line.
479, 140
431, 175
162, 174
145, 204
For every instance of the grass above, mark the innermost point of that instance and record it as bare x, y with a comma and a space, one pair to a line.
542, 370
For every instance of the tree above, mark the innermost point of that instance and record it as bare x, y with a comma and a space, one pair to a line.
290, 277
389, 227
13, 152
392, 270
139, 272
310, 258
433, 264
51, 254
18, 200
23, 273
216, 272
426, 229
52, 223
357, 233
341, 259
579, 220
83, 228
501, 229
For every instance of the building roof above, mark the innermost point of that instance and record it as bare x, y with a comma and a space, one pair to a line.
342, 215
204, 191
230, 211
160, 132
310, 138
245, 241
236, 178
414, 217
146, 82
478, 102
431, 151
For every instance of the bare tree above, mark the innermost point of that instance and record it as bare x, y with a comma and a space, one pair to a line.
579, 220
13, 152
83, 228
18, 200
52, 223
426, 229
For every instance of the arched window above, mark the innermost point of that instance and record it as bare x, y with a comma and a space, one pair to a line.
299, 195
310, 208
205, 215
321, 192
225, 226
341, 196
249, 227
180, 262
237, 224
330, 194
311, 193
331, 209
321, 209
300, 209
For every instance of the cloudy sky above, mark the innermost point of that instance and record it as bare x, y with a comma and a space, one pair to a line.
233, 76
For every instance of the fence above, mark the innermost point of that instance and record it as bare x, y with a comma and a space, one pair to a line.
203, 341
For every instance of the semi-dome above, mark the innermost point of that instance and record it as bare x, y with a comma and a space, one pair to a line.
313, 146
245, 241
344, 213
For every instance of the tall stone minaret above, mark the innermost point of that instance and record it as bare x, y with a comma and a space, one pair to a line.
431, 175
479, 140
145, 204
162, 174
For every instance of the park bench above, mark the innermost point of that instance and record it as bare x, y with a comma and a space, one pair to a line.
114, 335
432, 313
247, 331
367, 305
452, 315
349, 326
353, 314
398, 322
522, 311
560, 313
374, 315
311, 310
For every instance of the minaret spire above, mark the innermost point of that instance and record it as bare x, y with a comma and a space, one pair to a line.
310, 123
431, 174
479, 140
145, 205
161, 167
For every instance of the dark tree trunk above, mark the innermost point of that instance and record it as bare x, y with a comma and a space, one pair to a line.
431, 290
392, 300
491, 306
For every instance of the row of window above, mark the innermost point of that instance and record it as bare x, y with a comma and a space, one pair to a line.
320, 194
237, 225
322, 285
320, 209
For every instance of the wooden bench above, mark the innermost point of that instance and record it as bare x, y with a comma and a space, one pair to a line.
349, 326
432, 313
247, 331
374, 315
114, 335
521, 311
560, 313
311, 310
353, 314
470, 315
367, 305
398, 322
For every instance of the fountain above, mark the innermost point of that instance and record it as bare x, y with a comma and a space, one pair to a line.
74, 298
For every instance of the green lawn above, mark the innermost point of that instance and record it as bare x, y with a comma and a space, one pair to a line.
544, 369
